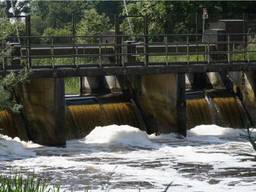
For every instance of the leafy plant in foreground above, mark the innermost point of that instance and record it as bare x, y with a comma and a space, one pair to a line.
18, 183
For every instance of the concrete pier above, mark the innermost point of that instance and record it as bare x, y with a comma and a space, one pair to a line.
162, 100
44, 109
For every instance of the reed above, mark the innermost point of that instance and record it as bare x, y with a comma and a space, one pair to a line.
19, 183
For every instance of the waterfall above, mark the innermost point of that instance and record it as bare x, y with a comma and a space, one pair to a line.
84, 118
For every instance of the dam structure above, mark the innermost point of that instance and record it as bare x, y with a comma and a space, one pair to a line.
160, 83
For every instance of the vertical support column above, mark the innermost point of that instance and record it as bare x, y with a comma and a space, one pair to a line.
181, 105
28, 41
43, 103
146, 40
59, 114
118, 42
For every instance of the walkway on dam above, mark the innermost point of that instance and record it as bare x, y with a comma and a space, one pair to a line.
118, 55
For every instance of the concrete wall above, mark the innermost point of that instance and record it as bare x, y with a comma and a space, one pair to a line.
245, 85
44, 109
157, 98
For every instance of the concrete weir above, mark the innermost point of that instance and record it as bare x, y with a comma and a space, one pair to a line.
44, 110
156, 103
162, 99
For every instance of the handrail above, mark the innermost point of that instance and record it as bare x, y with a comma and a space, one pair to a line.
163, 49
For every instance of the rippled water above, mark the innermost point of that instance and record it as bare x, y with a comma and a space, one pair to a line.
119, 158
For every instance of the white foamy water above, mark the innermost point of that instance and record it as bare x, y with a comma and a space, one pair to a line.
14, 148
123, 158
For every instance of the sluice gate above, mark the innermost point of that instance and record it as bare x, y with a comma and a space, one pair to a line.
160, 78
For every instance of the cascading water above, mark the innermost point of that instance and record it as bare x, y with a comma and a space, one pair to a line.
6, 123
198, 112
12, 125
84, 118
223, 111
230, 112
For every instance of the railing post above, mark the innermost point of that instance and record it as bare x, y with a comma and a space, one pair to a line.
146, 40
131, 49
187, 41
246, 45
176, 51
228, 48
166, 49
28, 41
246, 58
74, 50
208, 52
197, 52
100, 51
77, 53
52, 52
118, 42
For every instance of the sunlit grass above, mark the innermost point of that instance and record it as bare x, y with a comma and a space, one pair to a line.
72, 85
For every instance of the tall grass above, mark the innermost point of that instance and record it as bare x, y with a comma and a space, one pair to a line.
18, 183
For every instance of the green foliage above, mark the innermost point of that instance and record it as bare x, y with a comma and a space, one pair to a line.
72, 85
58, 14
61, 33
9, 29
11, 81
20, 183
16, 8
92, 23
7, 87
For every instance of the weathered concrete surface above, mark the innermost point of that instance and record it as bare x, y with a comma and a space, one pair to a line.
44, 108
245, 88
157, 98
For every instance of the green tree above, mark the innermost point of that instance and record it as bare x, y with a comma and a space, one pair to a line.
93, 23
16, 8
60, 35
11, 81
58, 14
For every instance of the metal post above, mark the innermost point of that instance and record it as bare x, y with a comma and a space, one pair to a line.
146, 40
28, 42
247, 52
100, 51
52, 52
131, 59
208, 51
228, 48
197, 52
188, 58
166, 49
118, 42
73, 40
181, 105
204, 17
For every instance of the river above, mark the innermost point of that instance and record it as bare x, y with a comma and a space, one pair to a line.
123, 158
